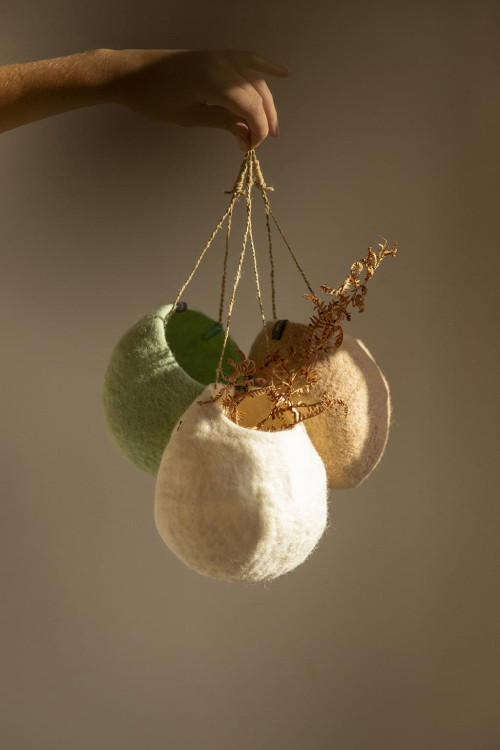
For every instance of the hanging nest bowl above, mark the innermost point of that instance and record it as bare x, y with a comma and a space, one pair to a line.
155, 372
350, 445
236, 503
240, 445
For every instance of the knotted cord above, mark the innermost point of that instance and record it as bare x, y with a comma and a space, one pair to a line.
249, 175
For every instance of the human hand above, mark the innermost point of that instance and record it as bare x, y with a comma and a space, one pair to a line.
199, 88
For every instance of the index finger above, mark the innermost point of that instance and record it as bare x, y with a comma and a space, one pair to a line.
244, 101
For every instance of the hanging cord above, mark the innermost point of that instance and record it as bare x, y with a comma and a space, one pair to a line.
254, 256
261, 184
236, 192
292, 253
224, 271
250, 174
248, 189
254, 178
264, 189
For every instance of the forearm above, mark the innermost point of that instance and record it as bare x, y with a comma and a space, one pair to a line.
224, 89
35, 90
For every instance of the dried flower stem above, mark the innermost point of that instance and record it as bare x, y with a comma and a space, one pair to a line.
285, 379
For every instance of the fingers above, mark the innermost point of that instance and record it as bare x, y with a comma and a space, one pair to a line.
268, 104
210, 116
248, 63
242, 134
249, 98
231, 83
244, 100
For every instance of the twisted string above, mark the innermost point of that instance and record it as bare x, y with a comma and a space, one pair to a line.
248, 188
224, 271
256, 271
271, 263
250, 174
261, 184
236, 192
291, 252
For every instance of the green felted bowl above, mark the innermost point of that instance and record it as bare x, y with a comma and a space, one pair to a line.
154, 374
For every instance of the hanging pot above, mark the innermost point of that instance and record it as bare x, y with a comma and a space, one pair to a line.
351, 446
235, 503
154, 374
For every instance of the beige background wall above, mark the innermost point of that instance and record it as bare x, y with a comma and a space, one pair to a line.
388, 636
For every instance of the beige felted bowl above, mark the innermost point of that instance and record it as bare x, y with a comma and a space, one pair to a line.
235, 503
351, 446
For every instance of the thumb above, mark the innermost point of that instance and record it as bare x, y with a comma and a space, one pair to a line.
213, 116
241, 132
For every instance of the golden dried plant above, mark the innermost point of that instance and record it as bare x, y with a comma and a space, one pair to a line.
285, 379
285, 385
326, 323
237, 384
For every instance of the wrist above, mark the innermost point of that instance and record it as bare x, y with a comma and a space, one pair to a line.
102, 69
121, 72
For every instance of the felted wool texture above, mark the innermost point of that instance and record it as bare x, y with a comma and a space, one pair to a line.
154, 375
352, 446
239, 504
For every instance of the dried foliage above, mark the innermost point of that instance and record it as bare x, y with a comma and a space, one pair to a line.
238, 383
285, 385
287, 379
326, 322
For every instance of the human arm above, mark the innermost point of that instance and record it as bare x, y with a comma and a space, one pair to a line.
194, 88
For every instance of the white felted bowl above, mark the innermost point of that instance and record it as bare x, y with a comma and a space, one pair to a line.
239, 504
352, 446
